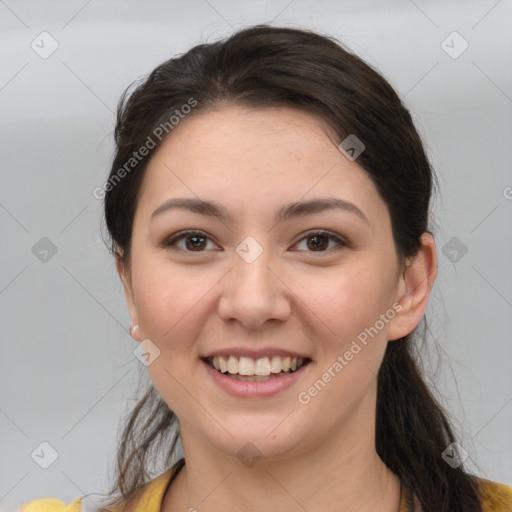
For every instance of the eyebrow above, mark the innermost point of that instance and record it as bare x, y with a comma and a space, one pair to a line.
288, 211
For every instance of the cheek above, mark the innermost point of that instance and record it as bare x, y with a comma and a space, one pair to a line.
346, 301
349, 303
166, 299
169, 303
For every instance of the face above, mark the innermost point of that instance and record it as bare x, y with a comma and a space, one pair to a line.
319, 282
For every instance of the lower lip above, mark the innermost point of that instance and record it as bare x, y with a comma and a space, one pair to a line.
263, 389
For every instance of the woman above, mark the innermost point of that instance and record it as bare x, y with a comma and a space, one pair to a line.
268, 205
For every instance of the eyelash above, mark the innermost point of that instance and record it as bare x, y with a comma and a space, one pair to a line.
322, 232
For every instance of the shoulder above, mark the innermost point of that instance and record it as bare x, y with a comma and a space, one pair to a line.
51, 505
54, 505
495, 497
149, 498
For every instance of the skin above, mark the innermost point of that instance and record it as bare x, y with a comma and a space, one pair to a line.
319, 456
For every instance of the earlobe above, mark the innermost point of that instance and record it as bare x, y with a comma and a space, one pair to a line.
413, 289
135, 332
124, 274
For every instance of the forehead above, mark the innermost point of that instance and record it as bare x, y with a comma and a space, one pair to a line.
257, 158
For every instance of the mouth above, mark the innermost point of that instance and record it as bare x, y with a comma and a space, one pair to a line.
248, 369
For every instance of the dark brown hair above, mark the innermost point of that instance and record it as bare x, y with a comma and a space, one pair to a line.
265, 66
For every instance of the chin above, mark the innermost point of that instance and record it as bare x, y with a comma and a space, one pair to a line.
268, 438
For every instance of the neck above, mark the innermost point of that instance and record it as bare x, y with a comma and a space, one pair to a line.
345, 473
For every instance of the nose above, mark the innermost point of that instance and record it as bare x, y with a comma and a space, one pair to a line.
255, 293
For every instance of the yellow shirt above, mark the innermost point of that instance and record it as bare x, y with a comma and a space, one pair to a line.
496, 497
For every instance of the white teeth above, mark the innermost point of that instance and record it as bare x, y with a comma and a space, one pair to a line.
262, 366
275, 364
232, 365
246, 366
223, 364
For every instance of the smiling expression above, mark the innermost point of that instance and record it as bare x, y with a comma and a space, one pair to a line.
325, 268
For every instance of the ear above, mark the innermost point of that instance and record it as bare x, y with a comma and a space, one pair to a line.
124, 273
413, 289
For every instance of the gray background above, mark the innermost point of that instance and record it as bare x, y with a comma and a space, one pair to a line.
67, 366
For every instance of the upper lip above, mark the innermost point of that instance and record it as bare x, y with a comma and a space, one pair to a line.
254, 354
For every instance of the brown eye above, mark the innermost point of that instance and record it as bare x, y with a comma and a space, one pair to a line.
319, 241
194, 241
